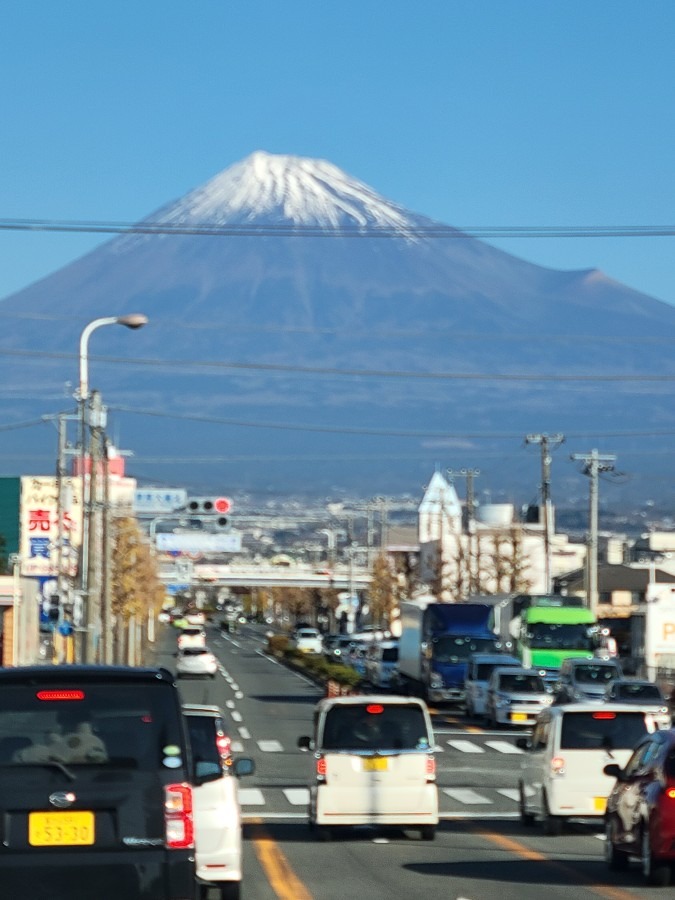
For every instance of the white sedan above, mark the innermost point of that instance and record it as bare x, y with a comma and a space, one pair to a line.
196, 661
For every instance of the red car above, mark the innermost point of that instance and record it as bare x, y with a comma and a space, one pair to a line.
640, 816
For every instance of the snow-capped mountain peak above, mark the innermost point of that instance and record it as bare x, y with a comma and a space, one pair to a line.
292, 190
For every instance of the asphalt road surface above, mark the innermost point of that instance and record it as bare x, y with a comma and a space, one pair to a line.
481, 851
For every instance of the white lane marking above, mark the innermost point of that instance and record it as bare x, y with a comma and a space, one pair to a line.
245, 733
270, 746
503, 747
239, 695
237, 716
466, 746
234, 686
465, 795
510, 793
230, 704
297, 796
251, 797
237, 747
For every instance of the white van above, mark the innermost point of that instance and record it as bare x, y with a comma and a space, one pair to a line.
373, 764
561, 774
217, 815
381, 663
480, 668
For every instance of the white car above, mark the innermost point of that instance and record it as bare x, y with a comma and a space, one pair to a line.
561, 773
306, 640
196, 661
373, 764
191, 636
217, 814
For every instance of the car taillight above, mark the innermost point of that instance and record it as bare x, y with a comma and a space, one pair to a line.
321, 768
178, 820
431, 768
670, 793
558, 765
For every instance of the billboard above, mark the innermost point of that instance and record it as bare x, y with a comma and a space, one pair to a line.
40, 530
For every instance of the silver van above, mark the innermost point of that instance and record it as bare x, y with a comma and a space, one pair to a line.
479, 670
373, 764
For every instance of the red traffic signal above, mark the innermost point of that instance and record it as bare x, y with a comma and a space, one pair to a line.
222, 504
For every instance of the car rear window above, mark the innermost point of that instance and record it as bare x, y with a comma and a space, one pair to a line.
98, 724
527, 684
374, 726
602, 729
195, 651
595, 674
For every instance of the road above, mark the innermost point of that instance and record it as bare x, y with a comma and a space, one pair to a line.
481, 851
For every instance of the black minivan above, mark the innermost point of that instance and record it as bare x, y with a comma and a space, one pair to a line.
95, 785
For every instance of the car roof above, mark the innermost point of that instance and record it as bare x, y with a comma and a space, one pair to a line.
360, 699
504, 658
83, 674
202, 709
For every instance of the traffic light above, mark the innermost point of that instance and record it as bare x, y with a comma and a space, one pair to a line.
213, 509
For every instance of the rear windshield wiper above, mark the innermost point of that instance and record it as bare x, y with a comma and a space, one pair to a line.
51, 762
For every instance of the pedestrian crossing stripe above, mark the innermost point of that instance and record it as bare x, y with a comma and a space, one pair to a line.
462, 746
299, 796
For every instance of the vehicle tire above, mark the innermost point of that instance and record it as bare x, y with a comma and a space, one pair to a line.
230, 890
656, 871
552, 824
428, 832
323, 833
615, 859
526, 818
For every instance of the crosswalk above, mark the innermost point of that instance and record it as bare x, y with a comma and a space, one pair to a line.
451, 798
459, 745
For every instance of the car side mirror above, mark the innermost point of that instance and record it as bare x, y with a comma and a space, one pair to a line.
244, 765
614, 771
305, 743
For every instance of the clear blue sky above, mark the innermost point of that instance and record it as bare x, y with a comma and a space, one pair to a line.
473, 112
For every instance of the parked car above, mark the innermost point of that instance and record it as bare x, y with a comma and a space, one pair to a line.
196, 661
515, 696
191, 636
480, 668
562, 769
306, 640
380, 663
217, 815
98, 784
645, 694
369, 747
640, 816
583, 679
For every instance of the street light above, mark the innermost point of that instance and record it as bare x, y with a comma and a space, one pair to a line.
133, 321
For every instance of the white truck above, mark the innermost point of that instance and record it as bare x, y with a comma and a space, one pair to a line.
657, 627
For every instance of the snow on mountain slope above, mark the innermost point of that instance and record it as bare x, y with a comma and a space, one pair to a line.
291, 189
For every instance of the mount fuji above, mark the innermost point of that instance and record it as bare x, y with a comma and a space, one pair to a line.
305, 332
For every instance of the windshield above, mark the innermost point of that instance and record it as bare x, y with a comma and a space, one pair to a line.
591, 674
521, 684
126, 725
612, 731
456, 649
547, 636
393, 727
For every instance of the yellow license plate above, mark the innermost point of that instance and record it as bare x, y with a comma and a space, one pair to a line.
599, 804
60, 829
518, 717
375, 764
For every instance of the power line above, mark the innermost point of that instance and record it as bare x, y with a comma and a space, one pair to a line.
356, 373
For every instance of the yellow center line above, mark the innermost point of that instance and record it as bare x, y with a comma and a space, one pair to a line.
283, 880
513, 846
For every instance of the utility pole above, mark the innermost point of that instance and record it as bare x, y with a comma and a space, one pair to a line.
547, 443
473, 562
594, 464
93, 516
